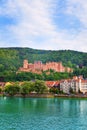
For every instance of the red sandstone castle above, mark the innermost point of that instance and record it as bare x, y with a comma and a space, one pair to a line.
38, 67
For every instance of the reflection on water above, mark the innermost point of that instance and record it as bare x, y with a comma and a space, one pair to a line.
43, 114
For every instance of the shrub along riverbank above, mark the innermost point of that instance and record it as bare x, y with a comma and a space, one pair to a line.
24, 88
35, 88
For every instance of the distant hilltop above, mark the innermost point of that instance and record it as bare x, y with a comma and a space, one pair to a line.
12, 58
38, 67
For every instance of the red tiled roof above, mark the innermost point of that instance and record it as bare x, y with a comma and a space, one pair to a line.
52, 83
83, 81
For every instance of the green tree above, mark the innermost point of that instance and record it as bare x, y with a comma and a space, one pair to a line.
26, 88
1, 68
0, 89
71, 90
40, 86
54, 90
12, 89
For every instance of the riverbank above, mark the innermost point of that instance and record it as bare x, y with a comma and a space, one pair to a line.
70, 96
33, 95
48, 95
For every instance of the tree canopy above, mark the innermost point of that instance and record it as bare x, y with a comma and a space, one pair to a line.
12, 58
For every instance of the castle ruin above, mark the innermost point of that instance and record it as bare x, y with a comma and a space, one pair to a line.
38, 67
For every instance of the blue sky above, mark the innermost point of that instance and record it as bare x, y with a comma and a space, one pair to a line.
44, 24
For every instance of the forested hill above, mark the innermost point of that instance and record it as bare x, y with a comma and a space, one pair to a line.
12, 58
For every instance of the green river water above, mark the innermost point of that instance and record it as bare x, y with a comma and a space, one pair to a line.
43, 114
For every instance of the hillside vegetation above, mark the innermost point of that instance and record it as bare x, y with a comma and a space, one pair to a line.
12, 58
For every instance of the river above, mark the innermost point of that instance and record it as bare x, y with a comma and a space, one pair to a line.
43, 114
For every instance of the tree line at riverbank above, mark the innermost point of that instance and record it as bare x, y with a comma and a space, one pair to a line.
28, 87
25, 88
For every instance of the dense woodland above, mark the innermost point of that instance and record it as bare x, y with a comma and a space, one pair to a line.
12, 58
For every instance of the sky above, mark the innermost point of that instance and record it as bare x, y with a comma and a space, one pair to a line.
44, 24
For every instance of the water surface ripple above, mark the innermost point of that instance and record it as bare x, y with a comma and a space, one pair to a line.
43, 114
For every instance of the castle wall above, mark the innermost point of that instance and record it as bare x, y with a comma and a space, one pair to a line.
38, 66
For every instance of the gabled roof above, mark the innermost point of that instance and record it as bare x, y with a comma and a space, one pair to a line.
52, 83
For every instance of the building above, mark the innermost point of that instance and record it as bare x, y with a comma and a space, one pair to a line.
38, 67
83, 85
77, 84
51, 84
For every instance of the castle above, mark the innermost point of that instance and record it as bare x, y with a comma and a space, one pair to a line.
38, 67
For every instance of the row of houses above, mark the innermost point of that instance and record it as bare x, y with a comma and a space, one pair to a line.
76, 84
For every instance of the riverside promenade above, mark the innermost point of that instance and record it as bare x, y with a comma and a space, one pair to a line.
35, 95
71, 95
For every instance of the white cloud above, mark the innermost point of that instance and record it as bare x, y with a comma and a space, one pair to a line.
78, 8
35, 26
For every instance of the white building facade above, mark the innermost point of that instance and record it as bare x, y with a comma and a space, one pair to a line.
77, 84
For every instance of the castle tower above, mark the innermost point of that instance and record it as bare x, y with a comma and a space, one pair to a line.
25, 64
60, 67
